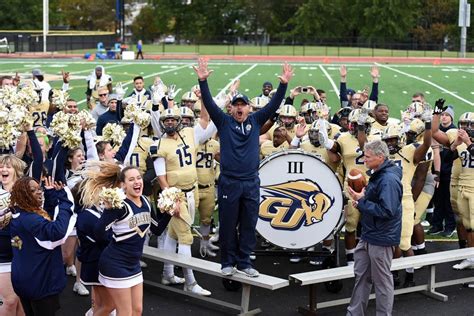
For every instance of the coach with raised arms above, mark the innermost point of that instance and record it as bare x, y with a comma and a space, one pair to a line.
239, 183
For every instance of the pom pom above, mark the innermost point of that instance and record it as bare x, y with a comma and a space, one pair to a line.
168, 200
112, 196
114, 133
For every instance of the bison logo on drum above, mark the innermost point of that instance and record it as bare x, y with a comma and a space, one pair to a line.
292, 204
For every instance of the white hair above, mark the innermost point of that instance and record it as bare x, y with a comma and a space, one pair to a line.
378, 148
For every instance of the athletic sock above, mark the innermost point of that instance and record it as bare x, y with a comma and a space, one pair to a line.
187, 273
170, 246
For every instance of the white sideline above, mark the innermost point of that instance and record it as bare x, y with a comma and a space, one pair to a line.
237, 77
333, 84
428, 82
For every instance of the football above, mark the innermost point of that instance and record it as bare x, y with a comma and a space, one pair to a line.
356, 180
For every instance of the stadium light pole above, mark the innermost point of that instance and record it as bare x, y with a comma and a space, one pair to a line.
464, 23
45, 22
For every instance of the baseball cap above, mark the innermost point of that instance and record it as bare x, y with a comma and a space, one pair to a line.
350, 92
240, 97
112, 97
37, 72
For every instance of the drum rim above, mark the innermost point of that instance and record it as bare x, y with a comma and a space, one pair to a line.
340, 222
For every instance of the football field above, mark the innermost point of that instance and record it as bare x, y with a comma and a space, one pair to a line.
398, 82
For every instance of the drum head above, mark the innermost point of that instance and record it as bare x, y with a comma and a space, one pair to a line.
300, 200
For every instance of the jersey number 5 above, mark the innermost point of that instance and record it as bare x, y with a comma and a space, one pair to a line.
185, 157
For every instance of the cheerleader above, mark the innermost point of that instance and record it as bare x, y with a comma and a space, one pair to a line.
37, 268
119, 263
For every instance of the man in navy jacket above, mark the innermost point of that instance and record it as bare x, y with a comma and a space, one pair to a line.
239, 184
381, 213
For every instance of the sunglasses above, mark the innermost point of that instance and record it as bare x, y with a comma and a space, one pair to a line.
103, 95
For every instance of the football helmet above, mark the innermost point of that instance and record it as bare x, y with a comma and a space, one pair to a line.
187, 116
258, 103
393, 137
287, 116
415, 131
308, 111
170, 128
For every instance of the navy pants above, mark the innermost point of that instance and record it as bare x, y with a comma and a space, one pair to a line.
443, 212
238, 212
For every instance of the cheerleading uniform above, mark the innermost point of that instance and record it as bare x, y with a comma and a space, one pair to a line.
119, 264
6, 253
37, 266
90, 249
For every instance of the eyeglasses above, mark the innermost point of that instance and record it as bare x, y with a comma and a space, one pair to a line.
103, 95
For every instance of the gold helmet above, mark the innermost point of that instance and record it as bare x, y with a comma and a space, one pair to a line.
464, 118
173, 114
390, 133
288, 110
416, 109
272, 93
189, 96
258, 103
186, 112
415, 131
354, 116
197, 108
309, 112
369, 105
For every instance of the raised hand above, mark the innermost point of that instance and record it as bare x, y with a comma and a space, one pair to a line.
202, 70
172, 92
426, 115
120, 91
343, 71
301, 129
295, 91
287, 73
234, 87
65, 75
439, 107
374, 72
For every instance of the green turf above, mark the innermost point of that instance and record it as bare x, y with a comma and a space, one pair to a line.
281, 50
396, 85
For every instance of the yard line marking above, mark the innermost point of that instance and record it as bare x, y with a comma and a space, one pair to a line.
124, 84
238, 77
428, 82
333, 84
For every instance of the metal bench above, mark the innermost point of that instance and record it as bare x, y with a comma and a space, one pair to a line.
212, 268
431, 260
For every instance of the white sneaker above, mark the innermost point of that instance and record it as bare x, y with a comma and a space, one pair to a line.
172, 280
212, 247
71, 270
465, 264
196, 289
80, 289
143, 264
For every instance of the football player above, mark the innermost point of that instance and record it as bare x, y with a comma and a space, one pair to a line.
407, 157
95, 80
347, 146
423, 185
188, 100
139, 92
175, 166
461, 174
206, 157
287, 118
279, 142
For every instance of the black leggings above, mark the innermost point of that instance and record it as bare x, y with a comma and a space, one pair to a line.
47, 306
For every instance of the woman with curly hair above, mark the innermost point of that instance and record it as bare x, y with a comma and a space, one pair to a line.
38, 275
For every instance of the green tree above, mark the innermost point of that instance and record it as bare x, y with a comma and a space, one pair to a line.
88, 15
146, 26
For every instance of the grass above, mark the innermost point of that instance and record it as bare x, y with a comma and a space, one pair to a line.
282, 50
397, 82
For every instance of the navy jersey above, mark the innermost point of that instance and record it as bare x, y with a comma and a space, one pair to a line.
89, 249
37, 266
240, 150
121, 258
6, 253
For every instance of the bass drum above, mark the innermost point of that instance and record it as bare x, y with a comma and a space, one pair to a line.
301, 200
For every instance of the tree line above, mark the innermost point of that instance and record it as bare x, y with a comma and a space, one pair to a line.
258, 21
